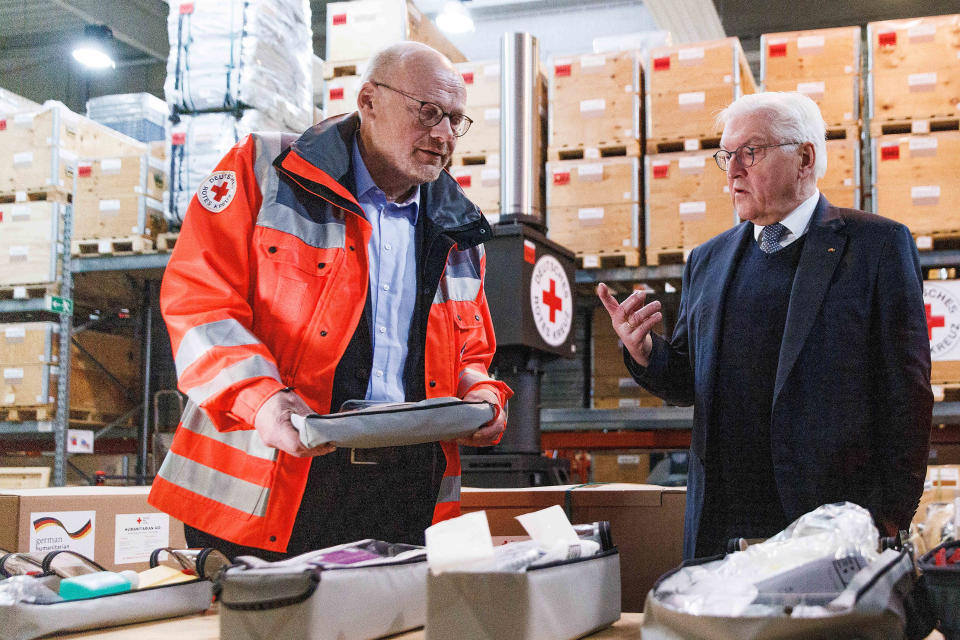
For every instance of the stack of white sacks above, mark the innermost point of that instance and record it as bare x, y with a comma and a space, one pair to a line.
234, 67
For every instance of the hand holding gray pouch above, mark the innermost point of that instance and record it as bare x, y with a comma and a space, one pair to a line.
395, 424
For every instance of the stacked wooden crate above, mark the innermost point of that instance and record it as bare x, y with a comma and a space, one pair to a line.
914, 98
594, 148
356, 30
686, 195
104, 374
476, 163
824, 65
118, 204
612, 387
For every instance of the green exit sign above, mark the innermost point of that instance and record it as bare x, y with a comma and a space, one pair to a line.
59, 305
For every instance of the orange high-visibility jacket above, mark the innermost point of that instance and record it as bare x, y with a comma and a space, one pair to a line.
265, 292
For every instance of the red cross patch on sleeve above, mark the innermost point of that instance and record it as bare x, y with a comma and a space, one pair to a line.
217, 191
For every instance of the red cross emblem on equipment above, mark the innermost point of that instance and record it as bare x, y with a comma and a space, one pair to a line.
552, 300
933, 322
220, 190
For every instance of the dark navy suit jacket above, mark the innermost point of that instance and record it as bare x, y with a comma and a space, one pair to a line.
852, 405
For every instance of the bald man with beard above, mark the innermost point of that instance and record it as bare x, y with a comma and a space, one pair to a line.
345, 264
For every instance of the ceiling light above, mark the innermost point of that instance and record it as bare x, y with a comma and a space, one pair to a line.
94, 49
454, 18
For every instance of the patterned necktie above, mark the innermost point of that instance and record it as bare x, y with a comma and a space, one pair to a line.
770, 237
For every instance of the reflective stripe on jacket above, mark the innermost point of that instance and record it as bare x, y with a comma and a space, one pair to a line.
267, 293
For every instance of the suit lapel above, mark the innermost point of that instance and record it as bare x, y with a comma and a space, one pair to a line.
821, 254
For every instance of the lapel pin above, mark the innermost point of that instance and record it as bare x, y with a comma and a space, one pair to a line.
831, 250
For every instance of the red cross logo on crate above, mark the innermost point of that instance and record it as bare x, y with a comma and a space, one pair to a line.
941, 301
217, 191
933, 321
551, 300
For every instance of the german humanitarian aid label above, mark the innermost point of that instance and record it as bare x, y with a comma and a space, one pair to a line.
136, 535
941, 301
217, 191
551, 301
55, 530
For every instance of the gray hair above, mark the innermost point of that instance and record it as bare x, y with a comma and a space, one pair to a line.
792, 117
390, 58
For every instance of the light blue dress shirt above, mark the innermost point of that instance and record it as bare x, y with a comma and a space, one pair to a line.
393, 280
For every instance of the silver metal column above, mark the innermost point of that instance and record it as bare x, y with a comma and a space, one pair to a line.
521, 152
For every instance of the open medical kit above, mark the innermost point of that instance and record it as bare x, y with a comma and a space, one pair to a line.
357, 591
60, 591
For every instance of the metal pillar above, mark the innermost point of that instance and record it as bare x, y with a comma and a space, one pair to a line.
66, 329
520, 154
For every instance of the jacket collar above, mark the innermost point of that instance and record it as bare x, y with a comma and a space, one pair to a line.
320, 161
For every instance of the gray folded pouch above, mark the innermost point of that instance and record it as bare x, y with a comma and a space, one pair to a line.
395, 424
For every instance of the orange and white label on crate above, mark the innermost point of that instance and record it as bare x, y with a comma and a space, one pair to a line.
941, 301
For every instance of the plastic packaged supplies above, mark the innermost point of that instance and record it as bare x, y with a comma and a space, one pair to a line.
227, 54
821, 577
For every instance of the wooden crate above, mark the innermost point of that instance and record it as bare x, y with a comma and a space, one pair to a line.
483, 137
687, 203
612, 386
341, 95
915, 181
584, 183
28, 240
24, 477
117, 197
843, 160
359, 28
941, 298
39, 149
595, 120
29, 342
688, 85
837, 96
620, 466
914, 68
481, 184
849, 197
597, 229
482, 79
812, 54
595, 73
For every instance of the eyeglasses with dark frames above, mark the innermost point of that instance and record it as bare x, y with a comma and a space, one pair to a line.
431, 113
745, 154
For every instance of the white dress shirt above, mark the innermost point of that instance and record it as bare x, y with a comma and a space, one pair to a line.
797, 221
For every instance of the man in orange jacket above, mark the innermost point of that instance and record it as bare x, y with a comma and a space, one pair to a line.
345, 264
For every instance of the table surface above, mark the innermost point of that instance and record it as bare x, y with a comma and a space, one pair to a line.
206, 626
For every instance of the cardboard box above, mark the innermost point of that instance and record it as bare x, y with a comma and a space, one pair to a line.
646, 522
620, 466
112, 525
341, 95
119, 196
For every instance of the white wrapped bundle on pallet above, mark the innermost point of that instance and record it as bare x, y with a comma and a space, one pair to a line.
198, 142
230, 54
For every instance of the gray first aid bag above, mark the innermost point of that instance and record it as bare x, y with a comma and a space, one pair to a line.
23, 621
395, 424
875, 604
358, 591
558, 601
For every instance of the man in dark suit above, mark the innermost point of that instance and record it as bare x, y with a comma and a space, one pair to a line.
801, 341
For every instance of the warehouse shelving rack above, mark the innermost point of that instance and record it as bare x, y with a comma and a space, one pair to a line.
592, 429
